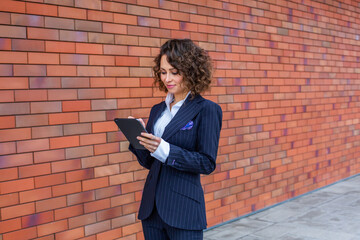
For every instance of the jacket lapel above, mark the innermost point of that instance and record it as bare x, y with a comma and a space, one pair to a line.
155, 117
187, 112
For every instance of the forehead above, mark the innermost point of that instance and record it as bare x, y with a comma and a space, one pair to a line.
164, 63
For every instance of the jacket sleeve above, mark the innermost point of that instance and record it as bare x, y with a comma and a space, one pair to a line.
203, 159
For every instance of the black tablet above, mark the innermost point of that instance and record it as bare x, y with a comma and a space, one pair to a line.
131, 129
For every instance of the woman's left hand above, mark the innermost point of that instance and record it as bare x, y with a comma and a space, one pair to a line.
149, 141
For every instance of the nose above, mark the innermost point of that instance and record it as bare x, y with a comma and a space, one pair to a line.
168, 77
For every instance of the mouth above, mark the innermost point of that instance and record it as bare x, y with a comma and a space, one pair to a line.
170, 86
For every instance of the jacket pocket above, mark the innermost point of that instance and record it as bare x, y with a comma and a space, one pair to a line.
188, 190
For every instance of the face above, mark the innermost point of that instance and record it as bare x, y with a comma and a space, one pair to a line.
172, 79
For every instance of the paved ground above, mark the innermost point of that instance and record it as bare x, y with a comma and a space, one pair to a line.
331, 213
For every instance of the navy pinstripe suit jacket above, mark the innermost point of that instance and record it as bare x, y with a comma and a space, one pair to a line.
174, 186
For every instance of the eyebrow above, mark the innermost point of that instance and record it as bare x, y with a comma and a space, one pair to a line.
169, 69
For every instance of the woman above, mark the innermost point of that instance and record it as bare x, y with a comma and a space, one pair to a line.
182, 143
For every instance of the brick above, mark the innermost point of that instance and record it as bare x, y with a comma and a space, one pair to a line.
32, 145
72, 82
17, 185
116, 71
112, 234
44, 82
50, 204
77, 152
102, 60
27, 233
45, 107
64, 142
42, 33
7, 148
117, 93
17, 211
103, 104
15, 83
70, 12
10, 225
5, 44
8, 174
59, 23
49, 180
89, 26
82, 220
13, 6
62, 47
53, 227
75, 129
91, 139
104, 127
90, 71
97, 227
71, 234
106, 148
5, 18
89, 48
30, 95
47, 131
13, 57
94, 161
114, 28
35, 195
41, 9
16, 160
12, 31
9, 199
75, 36
37, 219
6, 70
88, 4
68, 212
115, 50
97, 116
15, 134
66, 189
6, 96
29, 70
91, 93
76, 106
121, 178
128, 82
107, 170
114, 7
66, 165
80, 175
58, 70
63, 118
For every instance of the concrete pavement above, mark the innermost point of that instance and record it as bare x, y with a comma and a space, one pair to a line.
331, 213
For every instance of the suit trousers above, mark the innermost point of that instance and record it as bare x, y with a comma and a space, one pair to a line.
155, 228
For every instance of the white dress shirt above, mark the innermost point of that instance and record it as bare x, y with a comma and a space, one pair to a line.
163, 150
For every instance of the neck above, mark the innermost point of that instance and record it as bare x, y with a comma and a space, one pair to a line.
179, 97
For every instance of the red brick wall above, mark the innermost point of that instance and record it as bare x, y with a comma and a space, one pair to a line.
287, 79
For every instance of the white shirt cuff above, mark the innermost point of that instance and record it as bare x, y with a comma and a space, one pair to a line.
162, 152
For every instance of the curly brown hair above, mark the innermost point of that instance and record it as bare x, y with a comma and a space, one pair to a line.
192, 62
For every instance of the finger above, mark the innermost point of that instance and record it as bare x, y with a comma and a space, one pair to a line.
142, 122
148, 135
131, 117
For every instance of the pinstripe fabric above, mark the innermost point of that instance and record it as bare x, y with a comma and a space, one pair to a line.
155, 228
175, 185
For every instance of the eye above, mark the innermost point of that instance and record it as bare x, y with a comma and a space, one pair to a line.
175, 73
163, 73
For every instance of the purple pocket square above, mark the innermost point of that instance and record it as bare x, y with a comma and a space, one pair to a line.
188, 126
